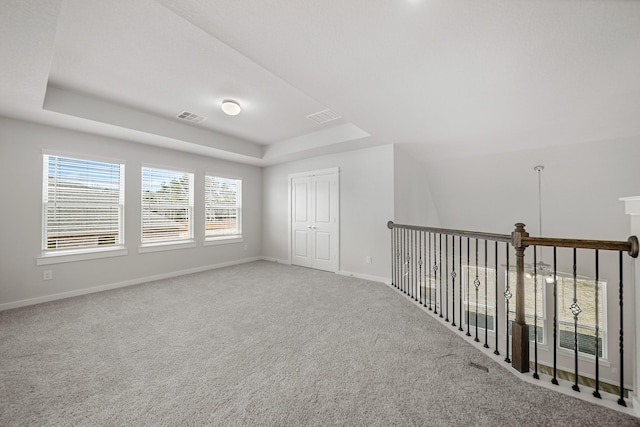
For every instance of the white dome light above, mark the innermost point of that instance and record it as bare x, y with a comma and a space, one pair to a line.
231, 107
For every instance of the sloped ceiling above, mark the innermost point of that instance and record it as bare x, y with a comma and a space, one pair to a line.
441, 77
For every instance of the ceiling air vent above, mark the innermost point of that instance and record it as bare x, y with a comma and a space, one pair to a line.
194, 118
323, 116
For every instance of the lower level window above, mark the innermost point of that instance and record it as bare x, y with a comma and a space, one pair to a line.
591, 302
479, 296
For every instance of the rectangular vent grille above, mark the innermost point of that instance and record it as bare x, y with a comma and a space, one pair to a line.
194, 118
323, 116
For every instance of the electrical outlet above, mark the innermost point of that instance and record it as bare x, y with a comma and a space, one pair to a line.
246, 247
47, 275
368, 260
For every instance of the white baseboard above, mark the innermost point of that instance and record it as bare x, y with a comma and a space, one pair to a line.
85, 291
381, 279
279, 261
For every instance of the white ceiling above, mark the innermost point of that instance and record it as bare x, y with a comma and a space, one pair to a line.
442, 77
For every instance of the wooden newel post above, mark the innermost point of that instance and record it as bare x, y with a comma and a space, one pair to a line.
519, 327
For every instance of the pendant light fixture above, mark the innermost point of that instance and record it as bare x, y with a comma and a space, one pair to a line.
541, 265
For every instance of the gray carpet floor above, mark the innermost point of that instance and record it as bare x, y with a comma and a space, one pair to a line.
260, 344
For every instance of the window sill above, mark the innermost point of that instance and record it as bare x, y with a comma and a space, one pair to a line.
222, 240
583, 356
80, 255
169, 246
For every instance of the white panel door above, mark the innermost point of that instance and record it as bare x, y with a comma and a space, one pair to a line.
314, 219
301, 221
322, 226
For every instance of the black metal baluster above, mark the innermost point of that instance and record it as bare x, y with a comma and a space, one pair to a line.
413, 264
426, 268
535, 313
446, 277
486, 302
403, 258
461, 277
420, 268
476, 283
407, 259
416, 265
621, 399
554, 380
398, 257
507, 297
393, 256
596, 392
400, 269
495, 321
468, 286
453, 280
440, 264
430, 268
409, 256
575, 309
435, 275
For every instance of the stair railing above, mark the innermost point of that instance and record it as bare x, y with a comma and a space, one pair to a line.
423, 268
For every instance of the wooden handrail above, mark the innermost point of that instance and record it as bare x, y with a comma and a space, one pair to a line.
471, 234
630, 246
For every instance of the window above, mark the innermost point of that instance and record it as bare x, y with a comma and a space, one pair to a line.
430, 291
167, 206
486, 280
532, 306
223, 201
83, 205
586, 298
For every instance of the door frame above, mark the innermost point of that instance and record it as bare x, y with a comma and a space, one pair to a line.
335, 244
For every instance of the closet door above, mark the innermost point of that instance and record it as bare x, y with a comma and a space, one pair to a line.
322, 229
314, 221
301, 222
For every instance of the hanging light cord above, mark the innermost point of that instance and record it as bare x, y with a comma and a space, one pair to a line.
539, 169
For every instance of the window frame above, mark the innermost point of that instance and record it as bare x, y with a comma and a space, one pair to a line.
220, 239
168, 244
60, 255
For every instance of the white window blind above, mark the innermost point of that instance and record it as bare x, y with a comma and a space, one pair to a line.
223, 198
83, 204
167, 206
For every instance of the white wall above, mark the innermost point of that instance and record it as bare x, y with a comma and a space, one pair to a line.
21, 147
581, 185
412, 193
366, 204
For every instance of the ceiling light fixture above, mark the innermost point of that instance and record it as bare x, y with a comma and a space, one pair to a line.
231, 107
